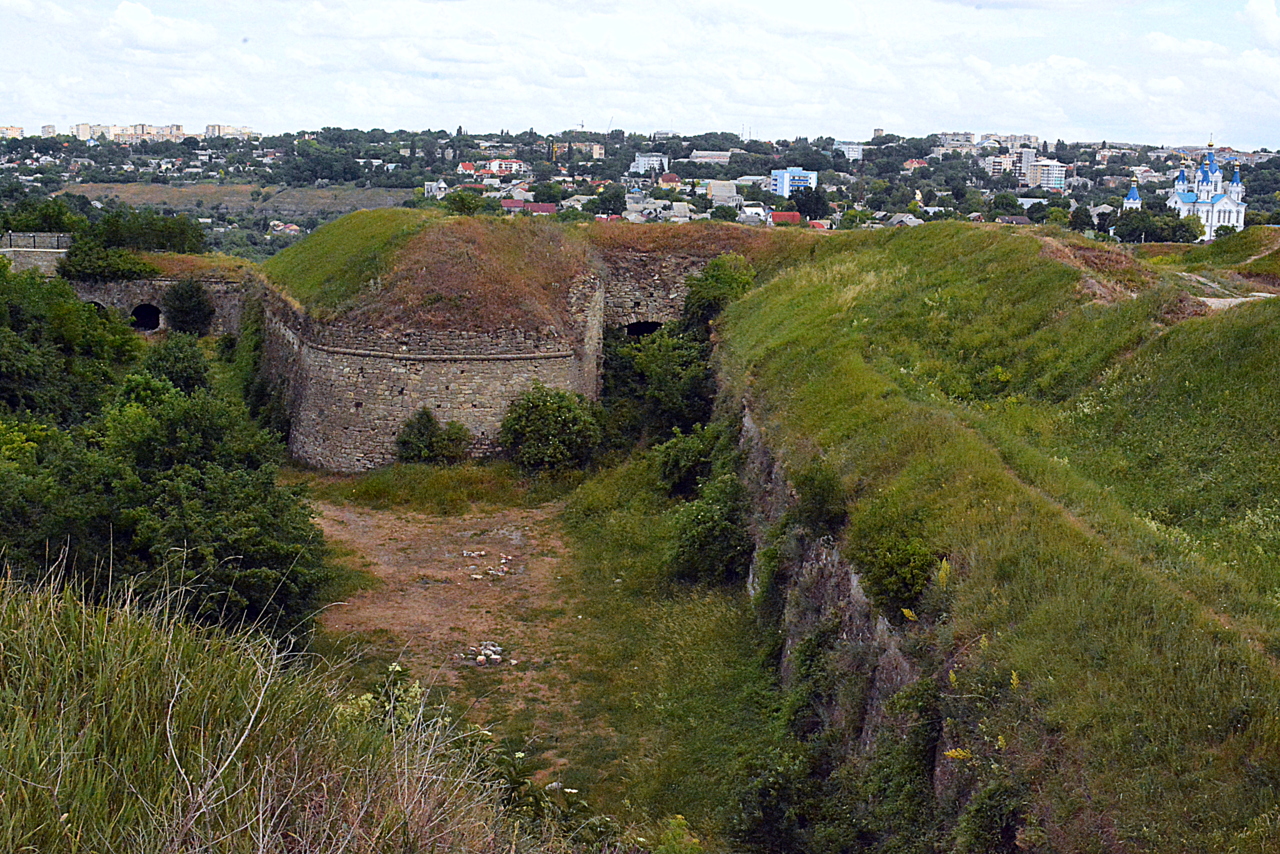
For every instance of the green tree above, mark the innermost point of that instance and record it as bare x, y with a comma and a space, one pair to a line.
1006, 204
188, 308
88, 260
58, 356
178, 359
1080, 219
724, 213
464, 202
548, 429
811, 203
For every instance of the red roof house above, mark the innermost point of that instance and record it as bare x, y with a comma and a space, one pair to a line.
785, 217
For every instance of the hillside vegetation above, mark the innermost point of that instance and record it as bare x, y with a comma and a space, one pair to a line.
408, 269
126, 730
1065, 503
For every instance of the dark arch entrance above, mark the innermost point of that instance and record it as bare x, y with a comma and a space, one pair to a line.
145, 317
643, 327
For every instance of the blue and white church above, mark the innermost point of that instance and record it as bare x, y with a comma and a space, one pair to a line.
1208, 196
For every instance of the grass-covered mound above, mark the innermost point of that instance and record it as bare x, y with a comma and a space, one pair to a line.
333, 265
406, 269
1090, 680
128, 731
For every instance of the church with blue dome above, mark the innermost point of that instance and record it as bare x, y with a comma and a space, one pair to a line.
1208, 195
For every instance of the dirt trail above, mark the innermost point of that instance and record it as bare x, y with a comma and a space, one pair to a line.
452, 583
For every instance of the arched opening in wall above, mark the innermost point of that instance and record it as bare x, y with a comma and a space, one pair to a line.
145, 317
642, 327
99, 307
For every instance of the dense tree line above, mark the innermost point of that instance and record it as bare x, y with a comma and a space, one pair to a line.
121, 472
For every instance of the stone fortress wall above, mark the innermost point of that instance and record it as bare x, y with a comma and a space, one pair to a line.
349, 390
142, 301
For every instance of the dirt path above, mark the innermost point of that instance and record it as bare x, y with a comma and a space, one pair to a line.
450, 584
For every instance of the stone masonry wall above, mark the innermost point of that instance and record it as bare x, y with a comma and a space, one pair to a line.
34, 250
347, 403
349, 389
227, 297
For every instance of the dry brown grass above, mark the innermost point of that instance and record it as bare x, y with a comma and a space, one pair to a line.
237, 197
479, 274
699, 239
223, 268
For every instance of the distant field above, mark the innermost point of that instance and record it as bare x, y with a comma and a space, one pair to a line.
298, 201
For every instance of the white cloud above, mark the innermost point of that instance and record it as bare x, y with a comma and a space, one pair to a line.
133, 25
1262, 17
1162, 43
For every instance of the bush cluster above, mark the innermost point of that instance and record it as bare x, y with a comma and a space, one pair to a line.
423, 440
547, 429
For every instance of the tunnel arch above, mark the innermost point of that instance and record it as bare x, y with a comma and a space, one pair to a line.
145, 318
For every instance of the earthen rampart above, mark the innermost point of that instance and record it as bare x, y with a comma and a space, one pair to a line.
349, 389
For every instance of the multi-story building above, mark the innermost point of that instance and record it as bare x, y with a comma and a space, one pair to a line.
229, 132
785, 181
852, 150
720, 158
1047, 174
11, 133
643, 163
955, 138
507, 167
48, 130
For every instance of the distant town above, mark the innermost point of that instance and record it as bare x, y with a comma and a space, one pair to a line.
1121, 189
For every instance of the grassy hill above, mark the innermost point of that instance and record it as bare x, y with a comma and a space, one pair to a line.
1091, 478
400, 268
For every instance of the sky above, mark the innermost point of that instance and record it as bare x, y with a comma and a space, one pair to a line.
1164, 72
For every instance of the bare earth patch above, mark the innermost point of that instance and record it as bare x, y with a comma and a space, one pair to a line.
452, 583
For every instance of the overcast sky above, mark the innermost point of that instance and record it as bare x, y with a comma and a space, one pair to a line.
1157, 71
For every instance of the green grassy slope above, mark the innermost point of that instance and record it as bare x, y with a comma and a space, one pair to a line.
124, 730
1110, 674
334, 265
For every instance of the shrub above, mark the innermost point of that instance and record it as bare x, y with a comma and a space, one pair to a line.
721, 282
89, 261
423, 440
179, 360
895, 570
547, 429
710, 541
188, 308
821, 503
686, 460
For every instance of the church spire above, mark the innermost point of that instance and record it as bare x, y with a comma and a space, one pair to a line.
1133, 201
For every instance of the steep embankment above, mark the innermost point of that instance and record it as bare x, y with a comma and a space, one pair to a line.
1040, 475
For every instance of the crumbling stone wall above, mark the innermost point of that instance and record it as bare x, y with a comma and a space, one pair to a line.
227, 297
349, 390
647, 287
